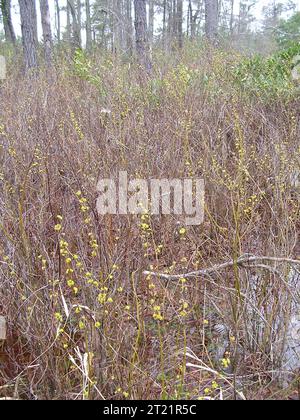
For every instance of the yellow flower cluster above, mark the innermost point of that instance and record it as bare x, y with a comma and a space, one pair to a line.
93, 244
76, 126
226, 363
157, 313
183, 311
102, 297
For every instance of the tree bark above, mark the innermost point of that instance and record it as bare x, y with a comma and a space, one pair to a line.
10, 35
174, 20
79, 22
76, 25
46, 26
211, 20
142, 44
118, 26
29, 32
164, 33
69, 28
232, 18
129, 28
88, 25
179, 26
57, 14
151, 21
194, 17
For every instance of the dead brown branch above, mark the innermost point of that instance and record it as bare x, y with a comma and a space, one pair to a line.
245, 259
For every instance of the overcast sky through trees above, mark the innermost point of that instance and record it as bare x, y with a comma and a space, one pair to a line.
257, 11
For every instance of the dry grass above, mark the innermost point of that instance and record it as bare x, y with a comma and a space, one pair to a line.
84, 322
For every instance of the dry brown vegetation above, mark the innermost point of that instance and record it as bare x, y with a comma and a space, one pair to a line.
83, 319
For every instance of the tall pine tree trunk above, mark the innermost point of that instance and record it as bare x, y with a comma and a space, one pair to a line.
57, 14
76, 25
78, 22
117, 26
47, 35
129, 28
10, 35
179, 26
164, 34
141, 32
69, 28
29, 32
232, 18
151, 21
211, 20
88, 25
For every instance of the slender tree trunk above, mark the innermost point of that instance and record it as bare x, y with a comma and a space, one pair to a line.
170, 21
151, 21
35, 26
189, 19
164, 23
232, 17
200, 17
47, 35
142, 44
118, 25
211, 20
57, 14
69, 27
194, 18
78, 21
179, 25
240, 18
129, 27
9, 31
88, 25
76, 26
173, 20
29, 32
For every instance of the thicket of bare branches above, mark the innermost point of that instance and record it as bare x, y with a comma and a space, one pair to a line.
86, 318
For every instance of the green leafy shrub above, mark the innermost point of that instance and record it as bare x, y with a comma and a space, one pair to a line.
271, 76
288, 33
83, 68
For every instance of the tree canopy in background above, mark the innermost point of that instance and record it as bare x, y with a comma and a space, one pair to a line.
288, 32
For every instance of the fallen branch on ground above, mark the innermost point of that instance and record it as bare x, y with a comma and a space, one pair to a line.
245, 259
